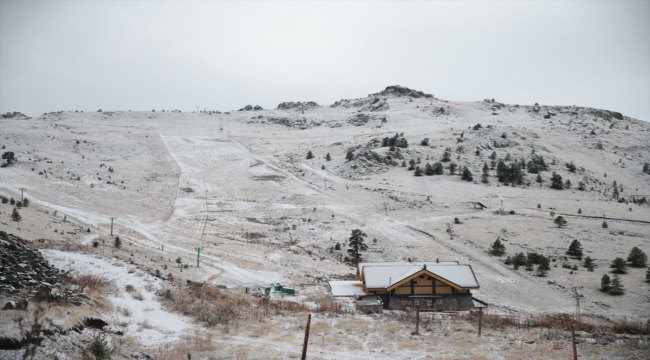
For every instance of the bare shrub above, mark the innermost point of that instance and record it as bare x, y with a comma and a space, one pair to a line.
88, 281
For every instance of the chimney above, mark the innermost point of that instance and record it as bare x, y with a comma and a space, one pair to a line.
425, 266
437, 261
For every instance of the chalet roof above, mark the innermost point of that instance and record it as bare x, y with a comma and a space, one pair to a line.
383, 275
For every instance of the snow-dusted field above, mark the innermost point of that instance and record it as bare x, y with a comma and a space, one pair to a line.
239, 186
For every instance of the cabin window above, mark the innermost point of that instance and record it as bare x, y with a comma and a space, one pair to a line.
429, 278
421, 276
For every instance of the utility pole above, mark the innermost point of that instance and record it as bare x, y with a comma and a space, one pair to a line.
198, 255
112, 218
385, 209
573, 342
22, 190
575, 291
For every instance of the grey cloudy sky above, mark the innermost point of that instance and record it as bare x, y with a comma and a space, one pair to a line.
143, 55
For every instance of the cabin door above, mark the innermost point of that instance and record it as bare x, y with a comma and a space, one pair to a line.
423, 304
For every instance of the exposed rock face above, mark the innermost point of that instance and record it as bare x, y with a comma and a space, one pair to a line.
21, 266
367, 104
15, 115
397, 90
251, 107
290, 105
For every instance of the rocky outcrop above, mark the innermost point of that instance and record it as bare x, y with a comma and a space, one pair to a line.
22, 267
372, 104
397, 90
15, 115
251, 108
290, 105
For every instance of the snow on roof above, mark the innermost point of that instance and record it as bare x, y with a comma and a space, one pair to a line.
346, 288
376, 275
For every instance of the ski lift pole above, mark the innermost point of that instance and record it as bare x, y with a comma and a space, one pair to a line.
112, 218
22, 190
198, 255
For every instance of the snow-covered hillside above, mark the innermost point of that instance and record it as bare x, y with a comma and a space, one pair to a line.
240, 186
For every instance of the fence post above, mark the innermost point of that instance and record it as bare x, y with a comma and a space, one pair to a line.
480, 320
417, 320
304, 345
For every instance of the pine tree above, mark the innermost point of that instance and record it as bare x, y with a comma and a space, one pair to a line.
544, 266
438, 169
605, 283
575, 249
337, 246
493, 156
411, 165
556, 182
529, 265
117, 242
647, 275
26, 202
616, 286
497, 248
310, 155
452, 168
637, 257
328, 157
619, 265
519, 259
579, 211
418, 171
559, 221
428, 170
604, 225
15, 216
446, 156
589, 262
356, 244
467, 175
350, 155
99, 348
486, 173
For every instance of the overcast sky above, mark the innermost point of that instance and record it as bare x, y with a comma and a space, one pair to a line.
143, 55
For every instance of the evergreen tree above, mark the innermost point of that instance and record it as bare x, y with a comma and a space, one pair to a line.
411, 165
647, 275
437, 168
497, 248
428, 169
539, 179
575, 249
559, 221
328, 157
9, 156
508, 261
579, 211
310, 155
616, 286
556, 182
589, 262
99, 348
571, 167
26, 202
544, 266
637, 257
15, 216
418, 171
567, 184
356, 243
446, 156
486, 173
493, 156
529, 265
350, 155
12, 201
519, 260
424, 142
604, 225
452, 168
117, 242
619, 265
467, 175
337, 246
605, 283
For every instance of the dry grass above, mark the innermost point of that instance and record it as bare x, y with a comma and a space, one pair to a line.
620, 325
88, 282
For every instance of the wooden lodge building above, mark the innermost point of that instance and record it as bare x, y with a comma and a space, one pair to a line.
433, 285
